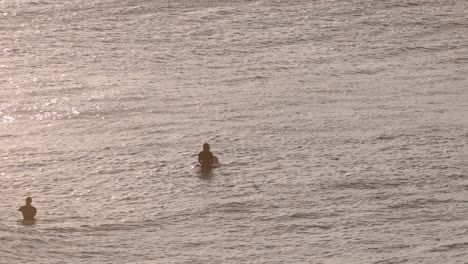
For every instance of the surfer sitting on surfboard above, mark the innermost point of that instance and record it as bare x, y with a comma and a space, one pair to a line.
205, 157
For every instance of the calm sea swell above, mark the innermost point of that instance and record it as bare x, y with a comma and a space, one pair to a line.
340, 125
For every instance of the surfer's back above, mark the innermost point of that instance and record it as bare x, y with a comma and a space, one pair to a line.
28, 211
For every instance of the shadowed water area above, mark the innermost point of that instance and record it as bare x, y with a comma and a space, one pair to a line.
341, 129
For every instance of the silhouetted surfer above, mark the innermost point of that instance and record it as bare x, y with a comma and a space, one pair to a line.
205, 157
29, 211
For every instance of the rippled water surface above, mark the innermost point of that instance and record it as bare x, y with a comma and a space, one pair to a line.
341, 127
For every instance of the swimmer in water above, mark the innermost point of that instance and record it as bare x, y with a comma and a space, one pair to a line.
29, 211
205, 157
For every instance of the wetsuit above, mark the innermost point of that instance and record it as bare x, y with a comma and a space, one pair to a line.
29, 212
205, 158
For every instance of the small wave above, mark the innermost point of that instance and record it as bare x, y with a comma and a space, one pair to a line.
302, 215
451, 246
420, 202
306, 227
462, 60
358, 184
385, 137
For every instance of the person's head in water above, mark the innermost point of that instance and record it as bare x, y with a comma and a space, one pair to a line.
206, 147
28, 200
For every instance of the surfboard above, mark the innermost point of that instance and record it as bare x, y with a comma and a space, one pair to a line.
214, 163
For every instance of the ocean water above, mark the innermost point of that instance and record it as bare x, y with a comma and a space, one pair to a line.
341, 127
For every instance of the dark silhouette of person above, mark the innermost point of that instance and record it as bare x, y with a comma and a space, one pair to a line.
29, 211
205, 157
